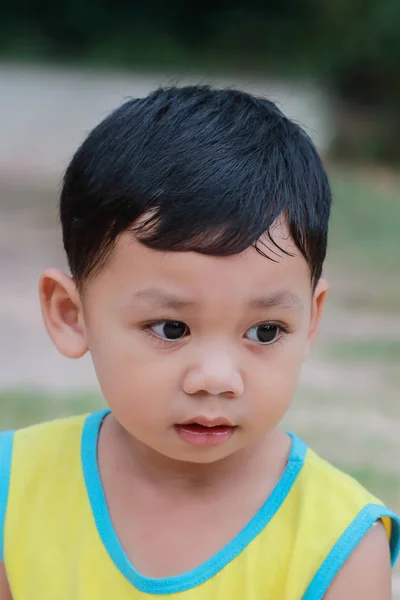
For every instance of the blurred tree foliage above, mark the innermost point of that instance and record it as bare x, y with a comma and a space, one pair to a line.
354, 45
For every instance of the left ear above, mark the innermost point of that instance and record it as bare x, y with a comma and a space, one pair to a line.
318, 303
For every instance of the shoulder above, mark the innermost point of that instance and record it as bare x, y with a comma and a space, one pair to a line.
56, 429
337, 487
31, 453
349, 504
34, 439
339, 515
367, 571
26, 451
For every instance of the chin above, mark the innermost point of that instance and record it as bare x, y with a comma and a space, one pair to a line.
203, 456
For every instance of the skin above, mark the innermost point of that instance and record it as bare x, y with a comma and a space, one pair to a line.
217, 369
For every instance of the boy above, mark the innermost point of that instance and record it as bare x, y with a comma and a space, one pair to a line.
195, 224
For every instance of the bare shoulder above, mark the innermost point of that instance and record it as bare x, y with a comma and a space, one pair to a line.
367, 572
5, 593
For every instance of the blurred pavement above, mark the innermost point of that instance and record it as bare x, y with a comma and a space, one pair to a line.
46, 113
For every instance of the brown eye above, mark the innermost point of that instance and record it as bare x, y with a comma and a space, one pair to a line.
266, 333
170, 330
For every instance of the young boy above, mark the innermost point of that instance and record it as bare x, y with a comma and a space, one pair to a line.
195, 224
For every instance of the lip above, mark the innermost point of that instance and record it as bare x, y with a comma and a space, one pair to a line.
198, 434
208, 422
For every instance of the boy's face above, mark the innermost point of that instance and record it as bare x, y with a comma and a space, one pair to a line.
197, 356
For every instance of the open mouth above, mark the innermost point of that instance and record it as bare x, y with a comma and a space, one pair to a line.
198, 434
205, 429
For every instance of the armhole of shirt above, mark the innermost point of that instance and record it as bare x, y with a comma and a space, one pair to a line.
6, 445
350, 538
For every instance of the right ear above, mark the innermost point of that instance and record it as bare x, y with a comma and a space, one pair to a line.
62, 313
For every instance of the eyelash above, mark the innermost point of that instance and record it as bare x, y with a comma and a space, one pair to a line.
284, 331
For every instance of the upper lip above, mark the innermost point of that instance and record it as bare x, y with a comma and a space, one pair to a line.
208, 422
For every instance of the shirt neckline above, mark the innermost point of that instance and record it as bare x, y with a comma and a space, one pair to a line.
198, 575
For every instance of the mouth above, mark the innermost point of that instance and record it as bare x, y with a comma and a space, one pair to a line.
208, 422
202, 431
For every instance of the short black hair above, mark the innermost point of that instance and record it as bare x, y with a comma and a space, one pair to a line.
194, 169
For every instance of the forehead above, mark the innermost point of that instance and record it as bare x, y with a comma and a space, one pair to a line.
133, 267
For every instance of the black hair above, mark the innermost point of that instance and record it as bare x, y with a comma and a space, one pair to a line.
194, 169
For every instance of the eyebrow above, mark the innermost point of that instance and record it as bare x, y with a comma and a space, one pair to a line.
156, 296
282, 299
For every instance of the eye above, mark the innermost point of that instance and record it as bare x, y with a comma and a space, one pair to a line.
169, 330
266, 333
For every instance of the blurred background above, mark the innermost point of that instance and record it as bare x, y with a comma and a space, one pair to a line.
333, 67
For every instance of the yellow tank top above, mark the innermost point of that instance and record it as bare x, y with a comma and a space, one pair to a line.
58, 543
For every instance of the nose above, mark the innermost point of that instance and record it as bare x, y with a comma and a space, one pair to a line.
215, 375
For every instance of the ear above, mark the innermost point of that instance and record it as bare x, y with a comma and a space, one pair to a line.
318, 303
62, 313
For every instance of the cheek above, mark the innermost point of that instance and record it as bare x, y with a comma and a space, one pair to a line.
130, 372
276, 380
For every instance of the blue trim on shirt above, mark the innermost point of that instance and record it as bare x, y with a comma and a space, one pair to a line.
6, 446
193, 578
347, 543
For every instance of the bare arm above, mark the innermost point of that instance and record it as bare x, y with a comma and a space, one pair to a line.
367, 572
5, 593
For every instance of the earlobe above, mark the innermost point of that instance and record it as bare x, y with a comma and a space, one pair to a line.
62, 313
318, 303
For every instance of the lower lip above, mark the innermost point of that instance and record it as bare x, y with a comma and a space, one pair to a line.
197, 435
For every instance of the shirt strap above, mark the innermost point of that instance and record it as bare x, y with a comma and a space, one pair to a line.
6, 447
348, 541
